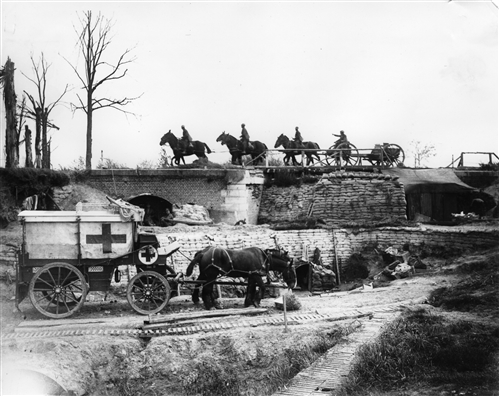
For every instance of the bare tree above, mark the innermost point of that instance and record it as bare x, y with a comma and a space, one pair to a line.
10, 101
21, 116
422, 152
40, 111
94, 38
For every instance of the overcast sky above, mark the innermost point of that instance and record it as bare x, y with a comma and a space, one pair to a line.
393, 72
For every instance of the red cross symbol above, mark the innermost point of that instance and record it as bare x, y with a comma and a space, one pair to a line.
148, 255
106, 239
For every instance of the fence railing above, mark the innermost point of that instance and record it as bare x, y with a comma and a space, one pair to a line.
460, 158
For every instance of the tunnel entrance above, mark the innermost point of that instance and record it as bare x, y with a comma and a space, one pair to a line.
157, 209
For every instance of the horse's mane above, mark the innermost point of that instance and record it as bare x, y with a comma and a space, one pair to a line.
231, 138
171, 135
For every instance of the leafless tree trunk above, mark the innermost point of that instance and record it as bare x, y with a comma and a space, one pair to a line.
27, 145
38, 134
40, 111
10, 99
94, 38
21, 115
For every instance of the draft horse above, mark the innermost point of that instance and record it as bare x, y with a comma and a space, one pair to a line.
256, 149
288, 144
250, 263
180, 150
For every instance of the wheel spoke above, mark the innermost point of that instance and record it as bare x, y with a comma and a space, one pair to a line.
53, 280
65, 304
50, 302
43, 297
66, 278
71, 296
44, 281
76, 283
138, 287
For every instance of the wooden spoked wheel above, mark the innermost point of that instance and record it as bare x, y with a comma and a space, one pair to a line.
148, 292
393, 154
345, 154
58, 290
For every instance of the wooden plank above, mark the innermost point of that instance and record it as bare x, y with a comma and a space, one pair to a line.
71, 324
205, 314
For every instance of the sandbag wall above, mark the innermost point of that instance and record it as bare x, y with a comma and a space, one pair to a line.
339, 198
340, 242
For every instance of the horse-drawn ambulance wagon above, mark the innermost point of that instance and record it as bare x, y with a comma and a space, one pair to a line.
66, 254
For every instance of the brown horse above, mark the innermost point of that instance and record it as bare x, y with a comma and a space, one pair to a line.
181, 150
256, 149
249, 263
288, 144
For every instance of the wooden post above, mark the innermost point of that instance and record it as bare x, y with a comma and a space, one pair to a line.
336, 258
310, 283
284, 307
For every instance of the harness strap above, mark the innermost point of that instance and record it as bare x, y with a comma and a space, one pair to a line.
218, 267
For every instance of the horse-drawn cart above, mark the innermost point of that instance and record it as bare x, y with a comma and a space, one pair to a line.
382, 155
66, 254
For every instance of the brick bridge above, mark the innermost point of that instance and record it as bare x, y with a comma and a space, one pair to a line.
229, 194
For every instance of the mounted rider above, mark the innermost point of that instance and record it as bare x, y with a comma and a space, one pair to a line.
186, 139
298, 138
342, 138
245, 139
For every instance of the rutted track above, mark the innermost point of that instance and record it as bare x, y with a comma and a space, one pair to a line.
179, 329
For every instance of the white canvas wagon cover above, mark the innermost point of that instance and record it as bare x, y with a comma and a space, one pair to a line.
54, 234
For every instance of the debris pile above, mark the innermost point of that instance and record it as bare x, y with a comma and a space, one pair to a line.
400, 264
191, 214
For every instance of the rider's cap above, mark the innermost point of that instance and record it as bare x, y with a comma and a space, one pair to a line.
296, 128
182, 126
242, 125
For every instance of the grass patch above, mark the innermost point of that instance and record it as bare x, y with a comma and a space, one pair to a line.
229, 369
425, 349
478, 290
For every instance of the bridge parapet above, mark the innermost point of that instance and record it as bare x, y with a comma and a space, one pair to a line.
228, 194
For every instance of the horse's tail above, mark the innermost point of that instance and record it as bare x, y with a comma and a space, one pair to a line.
265, 148
196, 260
207, 148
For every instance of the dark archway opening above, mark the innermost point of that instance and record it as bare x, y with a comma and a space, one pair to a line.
157, 210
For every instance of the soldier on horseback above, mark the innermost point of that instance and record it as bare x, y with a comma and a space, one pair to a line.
186, 139
298, 138
245, 139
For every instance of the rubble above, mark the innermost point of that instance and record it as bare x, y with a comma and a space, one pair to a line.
191, 214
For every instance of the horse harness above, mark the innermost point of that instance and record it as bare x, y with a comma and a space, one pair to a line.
268, 261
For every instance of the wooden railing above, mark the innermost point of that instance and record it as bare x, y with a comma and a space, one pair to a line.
460, 158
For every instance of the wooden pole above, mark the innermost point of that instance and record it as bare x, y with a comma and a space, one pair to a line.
284, 307
336, 258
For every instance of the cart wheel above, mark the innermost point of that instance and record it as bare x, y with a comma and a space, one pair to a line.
393, 154
58, 290
70, 303
345, 154
148, 292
